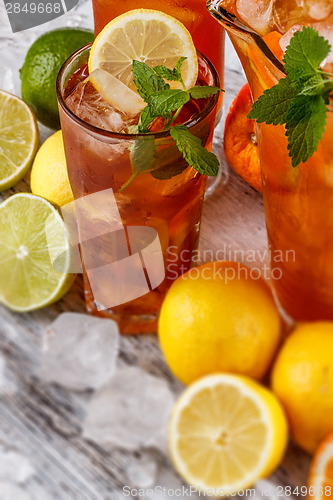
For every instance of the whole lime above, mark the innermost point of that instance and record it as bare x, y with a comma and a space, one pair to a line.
41, 66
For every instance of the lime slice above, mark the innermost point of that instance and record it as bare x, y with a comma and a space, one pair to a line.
18, 139
32, 233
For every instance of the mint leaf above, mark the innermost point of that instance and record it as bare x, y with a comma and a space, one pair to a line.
171, 74
146, 80
306, 121
317, 85
307, 49
300, 100
143, 154
272, 106
193, 151
202, 92
165, 102
312, 85
180, 62
169, 162
171, 170
145, 120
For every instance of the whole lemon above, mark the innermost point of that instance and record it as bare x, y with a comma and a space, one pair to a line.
219, 318
49, 177
302, 379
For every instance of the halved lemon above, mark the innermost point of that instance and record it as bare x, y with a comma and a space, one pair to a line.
320, 484
18, 139
144, 35
226, 432
31, 234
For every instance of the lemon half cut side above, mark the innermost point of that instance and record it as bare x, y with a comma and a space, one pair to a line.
226, 432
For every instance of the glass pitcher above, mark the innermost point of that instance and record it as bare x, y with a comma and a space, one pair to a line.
298, 201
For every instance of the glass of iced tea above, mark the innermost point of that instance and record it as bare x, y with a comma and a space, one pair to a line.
298, 201
98, 152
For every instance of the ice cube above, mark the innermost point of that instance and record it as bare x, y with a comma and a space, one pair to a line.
285, 40
324, 29
288, 14
319, 9
167, 482
258, 14
14, 467
80, 351
10, 491
130, 410
142, 471
169, 485
105, 102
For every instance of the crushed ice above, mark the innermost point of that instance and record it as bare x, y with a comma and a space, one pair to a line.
80, 351
130, 411
14, 467
142, 471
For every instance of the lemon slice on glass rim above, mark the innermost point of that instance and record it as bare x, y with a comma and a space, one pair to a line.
144, 35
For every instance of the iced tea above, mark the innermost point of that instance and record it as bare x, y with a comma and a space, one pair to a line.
98, 159
298, 201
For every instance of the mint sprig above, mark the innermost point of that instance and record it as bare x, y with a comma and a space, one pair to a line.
203, 161
147, 80
172, 74
167, 103
300, 100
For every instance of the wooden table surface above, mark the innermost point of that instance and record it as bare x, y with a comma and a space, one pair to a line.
43, 422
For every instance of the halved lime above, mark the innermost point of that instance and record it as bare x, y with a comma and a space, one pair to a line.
32, 234
18, 139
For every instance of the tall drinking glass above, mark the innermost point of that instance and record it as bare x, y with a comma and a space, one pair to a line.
298, 201
99, 161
